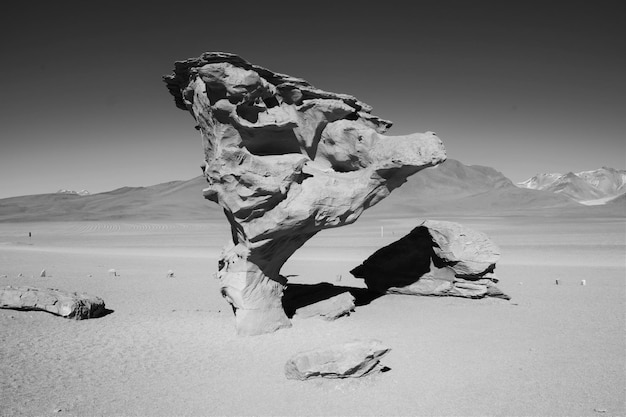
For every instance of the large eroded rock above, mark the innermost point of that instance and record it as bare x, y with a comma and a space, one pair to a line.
436, 258
72, 305
285, 160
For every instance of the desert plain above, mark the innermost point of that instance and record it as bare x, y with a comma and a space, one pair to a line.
169, 347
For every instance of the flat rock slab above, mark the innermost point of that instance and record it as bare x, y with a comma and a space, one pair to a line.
61, 303
348, 360
329, 309
458, 288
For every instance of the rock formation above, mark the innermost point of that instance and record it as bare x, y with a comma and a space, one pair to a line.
65, 304
348, 360
285, 160
436, 258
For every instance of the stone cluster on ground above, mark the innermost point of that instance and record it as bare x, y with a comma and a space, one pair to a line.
436, 258
348, 360
285, 160
72, 305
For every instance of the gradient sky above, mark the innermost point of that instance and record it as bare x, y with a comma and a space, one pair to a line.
522, 87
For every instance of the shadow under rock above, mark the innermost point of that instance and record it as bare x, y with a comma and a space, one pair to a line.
300, 295
104, 312
400, 263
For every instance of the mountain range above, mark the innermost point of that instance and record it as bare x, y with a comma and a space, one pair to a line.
450, 188
588, 187
455, 188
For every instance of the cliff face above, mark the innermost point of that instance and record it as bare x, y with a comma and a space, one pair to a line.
285, 160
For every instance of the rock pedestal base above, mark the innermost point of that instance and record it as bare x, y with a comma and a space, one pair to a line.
255, 322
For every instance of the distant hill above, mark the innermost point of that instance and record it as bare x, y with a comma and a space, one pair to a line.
588, 187
179, 200
619, 200
449, 188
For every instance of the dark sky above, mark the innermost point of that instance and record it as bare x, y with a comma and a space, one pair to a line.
522, 87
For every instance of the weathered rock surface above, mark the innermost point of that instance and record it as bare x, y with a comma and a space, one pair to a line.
436, 258
329, 309
65, 304
285, 160
348, 360
466, 251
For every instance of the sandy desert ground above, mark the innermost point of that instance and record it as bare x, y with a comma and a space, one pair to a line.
169, 346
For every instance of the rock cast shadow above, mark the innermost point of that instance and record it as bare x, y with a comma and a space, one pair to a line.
301, 295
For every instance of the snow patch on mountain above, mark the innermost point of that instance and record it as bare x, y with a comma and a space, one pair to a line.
81, 192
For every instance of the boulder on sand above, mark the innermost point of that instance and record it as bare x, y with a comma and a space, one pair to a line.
467, 252
330, 309
349, 360
65, 304
436, 258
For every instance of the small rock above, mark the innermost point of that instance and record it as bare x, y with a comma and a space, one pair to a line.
348, 360
329, 309
89, 275
600, 410
74, 305
43, 273
20, 275
170, 274
112, 272
4, 276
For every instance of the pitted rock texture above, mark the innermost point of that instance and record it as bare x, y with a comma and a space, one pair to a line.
436, 258
73, 305
285, 160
